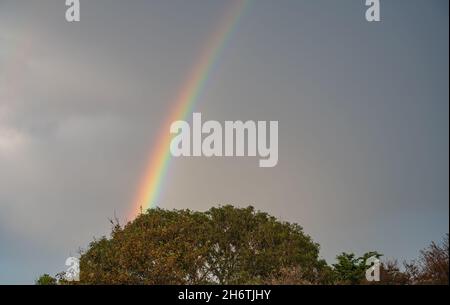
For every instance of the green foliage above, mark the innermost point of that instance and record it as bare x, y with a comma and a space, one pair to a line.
46, 280
249, 246
224, 245
351, 269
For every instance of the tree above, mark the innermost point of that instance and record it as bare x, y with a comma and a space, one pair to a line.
432, 267
351, 270
224, 245
46, 280
159, 247
251, 247
391, 274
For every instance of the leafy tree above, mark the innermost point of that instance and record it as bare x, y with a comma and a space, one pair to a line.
432, 267
391, 274
46, 280
224, 245
250, 247
159, 247
351, 269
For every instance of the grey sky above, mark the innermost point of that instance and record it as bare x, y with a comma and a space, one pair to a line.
363, 112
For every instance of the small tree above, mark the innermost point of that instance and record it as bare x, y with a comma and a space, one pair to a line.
391, 274
351, 270
432, 267
46, 280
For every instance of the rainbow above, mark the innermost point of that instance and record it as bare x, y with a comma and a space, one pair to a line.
150, 187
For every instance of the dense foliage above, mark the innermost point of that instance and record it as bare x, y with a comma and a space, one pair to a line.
223, 245
229, 245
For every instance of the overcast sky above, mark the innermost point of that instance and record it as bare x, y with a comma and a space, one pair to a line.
362, 107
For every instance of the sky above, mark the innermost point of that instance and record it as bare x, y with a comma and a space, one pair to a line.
362, 108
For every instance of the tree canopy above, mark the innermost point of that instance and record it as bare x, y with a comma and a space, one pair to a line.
224, 245
46, 280
350, 269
